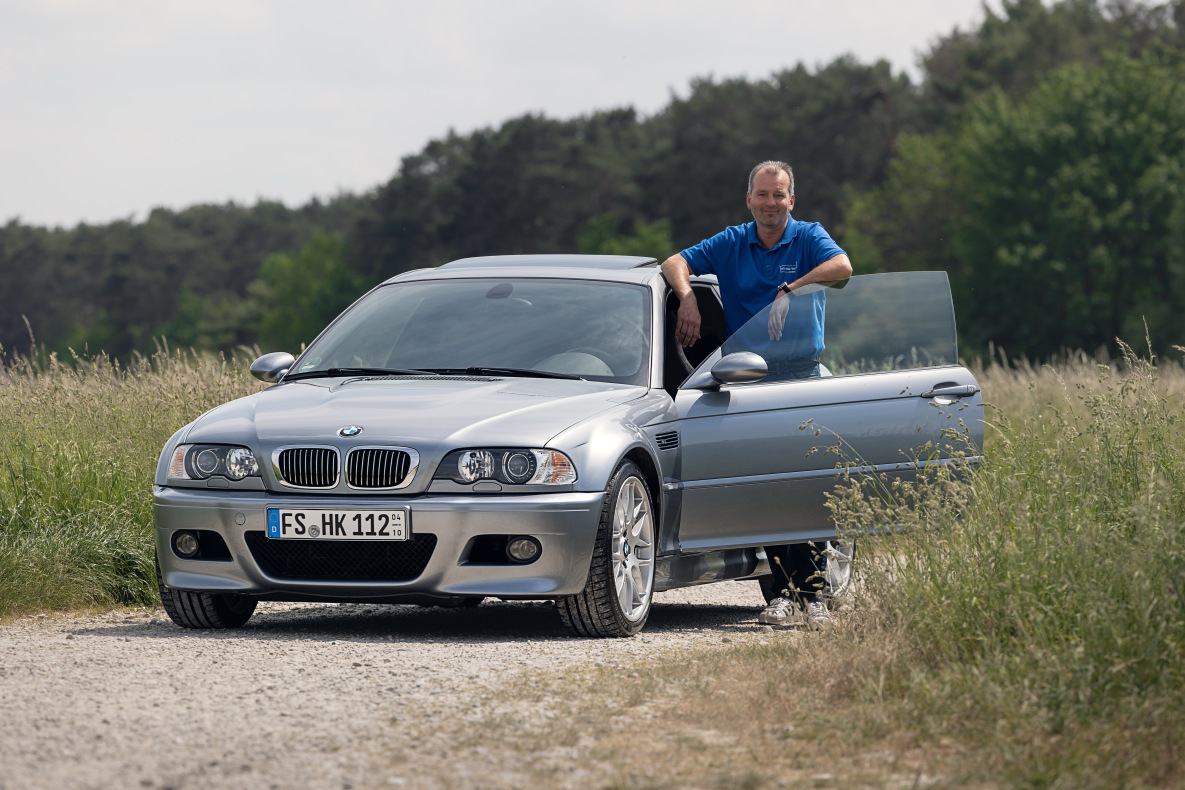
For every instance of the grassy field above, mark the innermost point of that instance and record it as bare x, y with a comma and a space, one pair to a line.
78, 449
1023, 629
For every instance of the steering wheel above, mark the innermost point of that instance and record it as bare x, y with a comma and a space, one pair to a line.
680, 352
681, 355
594, 352
622, 350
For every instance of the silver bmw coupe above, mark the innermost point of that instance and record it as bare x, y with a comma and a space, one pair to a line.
526, 427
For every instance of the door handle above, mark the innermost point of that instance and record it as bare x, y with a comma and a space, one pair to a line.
951, 391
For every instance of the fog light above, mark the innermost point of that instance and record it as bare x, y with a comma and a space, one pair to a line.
185, 544
523, 549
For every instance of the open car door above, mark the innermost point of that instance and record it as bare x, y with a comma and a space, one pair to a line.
759, 449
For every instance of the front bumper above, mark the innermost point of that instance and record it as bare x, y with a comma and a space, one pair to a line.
564, 524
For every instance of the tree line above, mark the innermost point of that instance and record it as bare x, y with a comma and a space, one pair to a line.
1039, 161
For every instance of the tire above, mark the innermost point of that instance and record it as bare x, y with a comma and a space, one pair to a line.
616, 597
204, 610
837, 576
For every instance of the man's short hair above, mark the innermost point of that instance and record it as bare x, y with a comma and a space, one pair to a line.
771, 166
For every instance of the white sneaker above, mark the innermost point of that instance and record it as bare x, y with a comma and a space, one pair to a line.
816, 613
780, 611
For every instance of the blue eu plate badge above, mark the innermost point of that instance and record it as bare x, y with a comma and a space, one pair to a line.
273, 523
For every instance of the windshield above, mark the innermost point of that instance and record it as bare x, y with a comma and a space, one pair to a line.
871, 323
583, 328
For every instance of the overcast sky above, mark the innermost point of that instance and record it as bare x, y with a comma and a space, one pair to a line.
109, 108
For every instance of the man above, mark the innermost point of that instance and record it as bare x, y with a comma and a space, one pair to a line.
758, 264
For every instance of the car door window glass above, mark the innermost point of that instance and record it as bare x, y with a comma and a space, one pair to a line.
873, 323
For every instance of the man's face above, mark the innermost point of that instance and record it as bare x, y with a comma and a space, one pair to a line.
770, 201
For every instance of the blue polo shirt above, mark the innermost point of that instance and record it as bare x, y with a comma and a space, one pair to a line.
750, 274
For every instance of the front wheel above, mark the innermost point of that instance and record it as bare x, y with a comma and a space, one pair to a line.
204, 610
616, 597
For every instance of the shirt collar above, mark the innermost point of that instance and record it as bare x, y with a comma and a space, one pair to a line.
787, 235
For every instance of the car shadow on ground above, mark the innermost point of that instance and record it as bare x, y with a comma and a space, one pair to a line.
492, 622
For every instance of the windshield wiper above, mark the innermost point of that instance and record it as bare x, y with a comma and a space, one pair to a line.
542, 374
333, 373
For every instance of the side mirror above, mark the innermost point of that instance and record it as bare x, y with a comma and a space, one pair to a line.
738, 368
271, 367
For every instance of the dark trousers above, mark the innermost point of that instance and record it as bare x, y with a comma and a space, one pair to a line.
797, 567
791, 369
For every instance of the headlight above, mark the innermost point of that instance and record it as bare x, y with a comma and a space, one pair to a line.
240, 463
474, 465
202, 461
507, 465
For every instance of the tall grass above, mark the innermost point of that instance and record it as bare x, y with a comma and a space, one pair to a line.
79, 441
1038, 607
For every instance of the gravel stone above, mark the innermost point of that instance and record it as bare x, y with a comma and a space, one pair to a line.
309, 695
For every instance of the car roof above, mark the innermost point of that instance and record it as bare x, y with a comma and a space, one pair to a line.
565, 261
615, 268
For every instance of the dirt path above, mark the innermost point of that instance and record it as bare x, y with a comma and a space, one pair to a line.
306, 695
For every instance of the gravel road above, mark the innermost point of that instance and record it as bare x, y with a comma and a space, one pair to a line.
306, 695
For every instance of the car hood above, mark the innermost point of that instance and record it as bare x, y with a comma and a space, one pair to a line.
423, 413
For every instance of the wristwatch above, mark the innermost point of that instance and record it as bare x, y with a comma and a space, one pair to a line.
784, 288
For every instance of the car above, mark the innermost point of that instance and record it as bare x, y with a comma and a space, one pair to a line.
527, 428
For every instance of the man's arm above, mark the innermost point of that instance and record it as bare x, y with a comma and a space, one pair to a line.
837, 268
831, 270
678, 276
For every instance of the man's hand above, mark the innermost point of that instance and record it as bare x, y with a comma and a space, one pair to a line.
687, 327
678, 276
777, 314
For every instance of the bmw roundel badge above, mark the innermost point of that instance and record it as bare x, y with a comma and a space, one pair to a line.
349, 431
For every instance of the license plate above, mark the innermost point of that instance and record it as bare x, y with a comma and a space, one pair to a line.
303, 524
